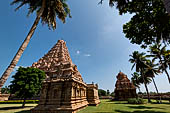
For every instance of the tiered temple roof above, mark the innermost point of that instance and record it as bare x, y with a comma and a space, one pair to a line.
123, 82
58, 62
124, 88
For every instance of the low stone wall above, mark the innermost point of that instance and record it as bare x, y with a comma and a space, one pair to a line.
4, 97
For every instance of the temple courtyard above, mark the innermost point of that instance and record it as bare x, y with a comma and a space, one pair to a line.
106, 106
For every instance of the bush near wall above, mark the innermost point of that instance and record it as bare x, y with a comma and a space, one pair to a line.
19, 102
136, 101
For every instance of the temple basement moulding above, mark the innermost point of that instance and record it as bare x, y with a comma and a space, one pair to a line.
124, 89
63, 91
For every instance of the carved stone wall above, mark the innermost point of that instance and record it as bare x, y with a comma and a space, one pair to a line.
92, 94
4, 97
62, 96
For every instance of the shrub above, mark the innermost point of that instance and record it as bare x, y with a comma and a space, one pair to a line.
135, 101
19, 101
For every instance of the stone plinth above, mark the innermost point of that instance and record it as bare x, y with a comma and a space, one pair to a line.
92, 94
124, 88
4, 97
62, 96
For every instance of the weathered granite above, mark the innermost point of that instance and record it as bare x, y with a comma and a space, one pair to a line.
124, 89
63, 91
4, 97
92, 94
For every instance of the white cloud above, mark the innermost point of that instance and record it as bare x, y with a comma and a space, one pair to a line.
87, 55
77, 52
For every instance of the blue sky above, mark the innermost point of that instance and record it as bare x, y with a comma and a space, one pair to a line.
93, 35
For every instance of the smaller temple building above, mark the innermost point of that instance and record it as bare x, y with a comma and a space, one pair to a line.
124, 89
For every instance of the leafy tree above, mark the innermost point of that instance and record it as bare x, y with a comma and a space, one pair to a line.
138, 60
102, 92
108, 93
112, 94
5, 90
27, 82
46, 10
150, 22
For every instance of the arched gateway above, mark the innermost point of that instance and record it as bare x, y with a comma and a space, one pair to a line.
63, 91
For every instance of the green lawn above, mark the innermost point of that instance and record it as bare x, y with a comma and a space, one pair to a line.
15, 108
106, 106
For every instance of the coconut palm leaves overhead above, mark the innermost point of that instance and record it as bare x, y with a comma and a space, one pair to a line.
138, 60
52, 9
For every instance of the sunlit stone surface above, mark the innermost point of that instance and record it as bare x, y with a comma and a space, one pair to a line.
63, 91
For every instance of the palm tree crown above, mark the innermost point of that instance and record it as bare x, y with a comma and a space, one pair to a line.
52, 9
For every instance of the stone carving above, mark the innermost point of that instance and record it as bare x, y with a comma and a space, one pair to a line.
92, 94
124, 88
63, 91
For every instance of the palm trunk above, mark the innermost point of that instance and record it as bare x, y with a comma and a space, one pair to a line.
167, 75
164, 68
147, 91
156, 89
15, 60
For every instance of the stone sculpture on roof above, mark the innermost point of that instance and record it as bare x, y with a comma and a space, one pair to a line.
124, 89
63, 91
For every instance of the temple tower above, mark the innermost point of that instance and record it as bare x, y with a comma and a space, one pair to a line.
124, 89
63, 91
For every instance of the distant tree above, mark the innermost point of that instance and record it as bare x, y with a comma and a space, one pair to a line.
47, 11
102, 92
27, 82
108, 93
112, 94
5, 90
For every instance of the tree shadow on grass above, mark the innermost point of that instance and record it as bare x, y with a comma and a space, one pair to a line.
145, 111
15, 107
24, 111
144, 107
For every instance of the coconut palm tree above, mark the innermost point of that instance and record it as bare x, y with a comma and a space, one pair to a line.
161, 54
135, 80
150, 71
47, 11
138, 60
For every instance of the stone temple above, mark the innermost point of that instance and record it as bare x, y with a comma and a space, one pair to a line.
63, 91
124, 89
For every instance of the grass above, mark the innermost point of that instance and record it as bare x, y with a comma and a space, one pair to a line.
15, 108
106, 106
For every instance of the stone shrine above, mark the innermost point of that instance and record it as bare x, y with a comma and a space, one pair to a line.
63, 91
124, 89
